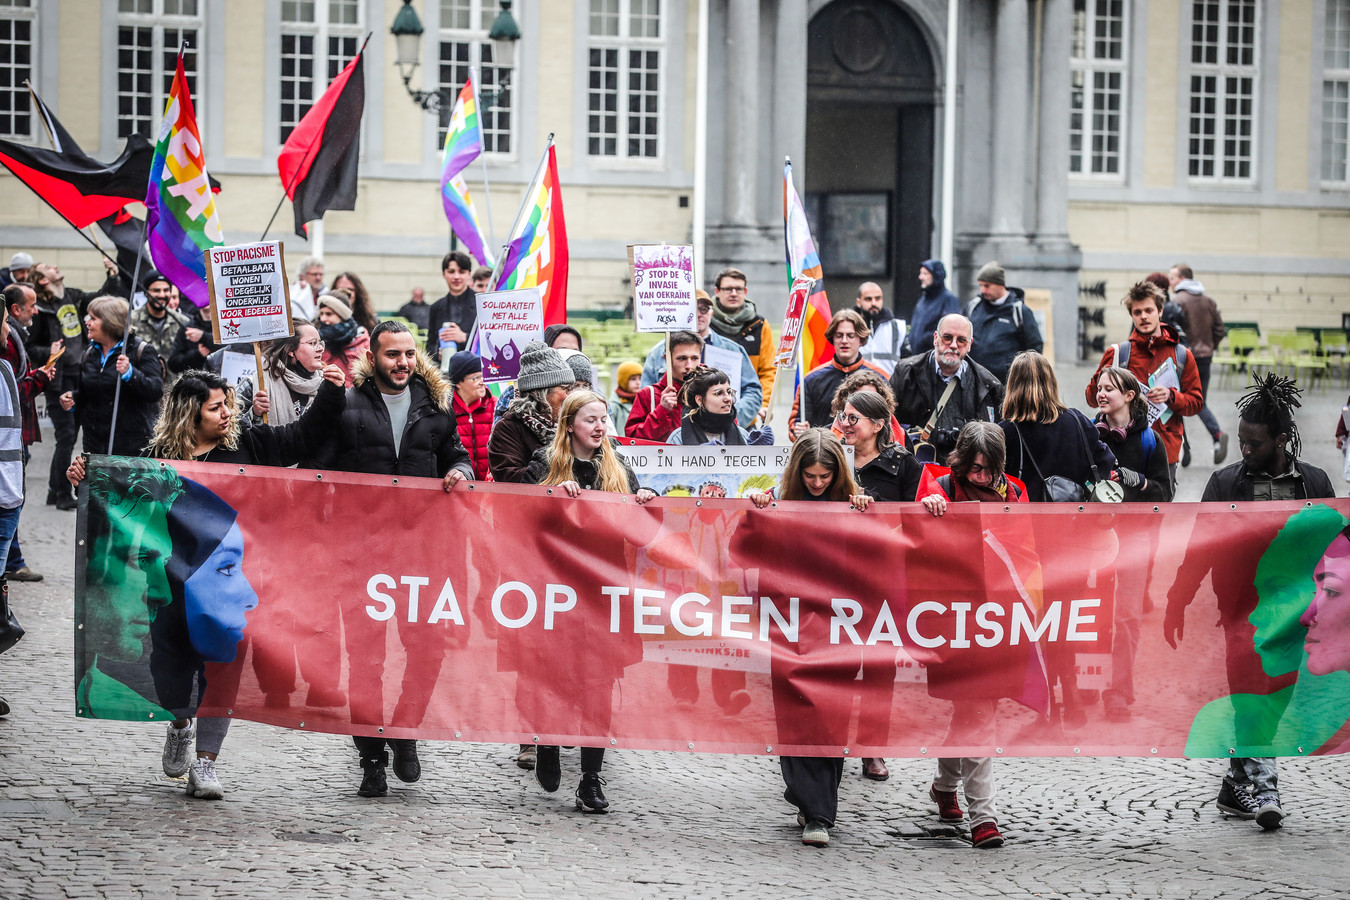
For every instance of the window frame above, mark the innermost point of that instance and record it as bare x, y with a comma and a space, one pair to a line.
1091, 65
1221, 71
322, 30
1332, 75
30, 14
625, 43
476, 37
161, 69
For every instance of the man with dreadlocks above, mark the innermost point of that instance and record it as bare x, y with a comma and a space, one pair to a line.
1269, 470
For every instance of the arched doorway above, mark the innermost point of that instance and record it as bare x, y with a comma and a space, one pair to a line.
870, 109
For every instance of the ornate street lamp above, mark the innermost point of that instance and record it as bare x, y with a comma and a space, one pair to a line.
407, 31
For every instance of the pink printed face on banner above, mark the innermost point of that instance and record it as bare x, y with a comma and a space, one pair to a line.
1328, 616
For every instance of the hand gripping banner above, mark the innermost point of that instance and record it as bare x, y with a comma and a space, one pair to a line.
359, 604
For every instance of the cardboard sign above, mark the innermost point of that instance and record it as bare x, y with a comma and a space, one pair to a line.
792, 322
663, 286
250, 296
507, 321
728, 361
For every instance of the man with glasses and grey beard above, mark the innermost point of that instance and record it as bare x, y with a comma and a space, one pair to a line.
939, 391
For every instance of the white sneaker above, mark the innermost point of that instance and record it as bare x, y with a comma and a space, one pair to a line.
202, 780
815, 834
178, 747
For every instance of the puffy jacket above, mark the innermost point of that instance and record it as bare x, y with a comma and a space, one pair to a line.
649, 420
1145, 356
917, 388
821, 383
137, 405
475, 428
364, 438
1001, 331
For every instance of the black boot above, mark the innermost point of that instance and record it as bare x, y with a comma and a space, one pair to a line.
406, 765
373, 782
590, 798
548, 768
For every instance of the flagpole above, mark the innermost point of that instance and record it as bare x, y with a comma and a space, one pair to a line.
482, 157
520, 214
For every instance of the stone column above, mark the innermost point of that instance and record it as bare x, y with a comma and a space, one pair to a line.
789, 89
742, 123
1010, 119
1052, 168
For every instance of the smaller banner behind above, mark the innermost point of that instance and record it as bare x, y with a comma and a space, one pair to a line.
706, 624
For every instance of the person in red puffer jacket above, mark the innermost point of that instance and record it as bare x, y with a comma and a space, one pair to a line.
473, 409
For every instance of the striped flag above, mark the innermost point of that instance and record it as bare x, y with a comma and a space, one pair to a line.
802, 260
536, 251
181, 210
464, 144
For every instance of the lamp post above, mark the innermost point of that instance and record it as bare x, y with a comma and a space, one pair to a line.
407, 31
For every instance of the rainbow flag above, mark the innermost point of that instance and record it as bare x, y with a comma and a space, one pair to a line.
536, 250
802, 259
181, 220
464, 144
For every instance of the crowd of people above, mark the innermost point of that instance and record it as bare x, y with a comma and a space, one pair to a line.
962, 407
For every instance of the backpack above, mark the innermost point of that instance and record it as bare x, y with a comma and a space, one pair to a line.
1121, 357
1016, 310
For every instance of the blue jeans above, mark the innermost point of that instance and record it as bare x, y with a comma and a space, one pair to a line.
9, 525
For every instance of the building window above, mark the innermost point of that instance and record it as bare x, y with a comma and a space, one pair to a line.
463, 43
149, 33
1223, 78
624, 79
17, 21
1336, 94
1097, 100
318, 39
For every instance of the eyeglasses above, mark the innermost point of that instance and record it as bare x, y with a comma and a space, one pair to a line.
848, 418
316, 344
731, 290
959, 339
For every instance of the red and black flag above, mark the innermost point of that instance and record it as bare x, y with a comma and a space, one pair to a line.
318, 162
81, 188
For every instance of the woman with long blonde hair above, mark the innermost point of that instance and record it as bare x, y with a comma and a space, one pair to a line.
583, 457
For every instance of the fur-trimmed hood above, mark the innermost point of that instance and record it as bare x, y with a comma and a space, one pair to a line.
442, 392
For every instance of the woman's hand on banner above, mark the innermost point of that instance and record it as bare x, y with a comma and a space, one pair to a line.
333, 374
452, 478
644, 495
860, 501
260, 403
761, 499
572, 488
935, 504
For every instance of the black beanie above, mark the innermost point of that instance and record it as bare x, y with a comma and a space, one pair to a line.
463, 364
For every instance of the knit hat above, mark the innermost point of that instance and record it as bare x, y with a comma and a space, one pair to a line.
580, 364
21, 260
551, 334
463, 364
336, 304
152, 278
541, 367
627, 369
992, 273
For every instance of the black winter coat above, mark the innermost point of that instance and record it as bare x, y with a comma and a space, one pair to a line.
893, 476
1057, 450
462, 310
285, 445
47, 329
187, 355
137, 406
917, 387
1129, 453
364, 438
1233, 483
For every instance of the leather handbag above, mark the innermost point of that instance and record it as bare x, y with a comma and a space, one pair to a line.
10, 629
1059, 489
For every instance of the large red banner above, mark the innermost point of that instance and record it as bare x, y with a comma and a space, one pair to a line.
371, 605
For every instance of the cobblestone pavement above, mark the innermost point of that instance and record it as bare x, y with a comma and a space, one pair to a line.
85, 810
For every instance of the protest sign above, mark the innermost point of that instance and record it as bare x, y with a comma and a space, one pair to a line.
507, 321
235, 367
727, 361
706, 471
663, 286
250, 296
792, 321
818, 601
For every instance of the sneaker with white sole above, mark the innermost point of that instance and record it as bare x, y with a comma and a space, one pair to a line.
178, 749
815, 834
1269, 816
202, 780
1236, 800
